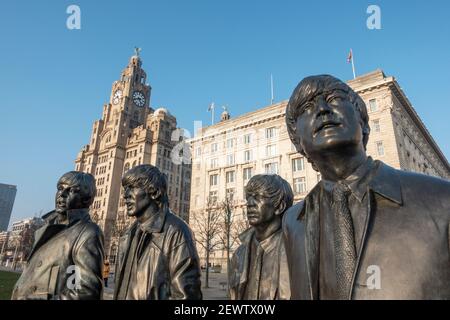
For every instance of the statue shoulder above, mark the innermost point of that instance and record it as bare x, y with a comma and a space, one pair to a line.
414, 184
292, 214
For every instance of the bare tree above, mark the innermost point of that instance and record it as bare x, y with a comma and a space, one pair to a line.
208, 227
231, 227
120, 226
23, 241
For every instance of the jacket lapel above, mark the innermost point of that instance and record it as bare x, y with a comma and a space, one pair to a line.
312, 242
124, 244
43, 234
276, 270
387, 184
245, 238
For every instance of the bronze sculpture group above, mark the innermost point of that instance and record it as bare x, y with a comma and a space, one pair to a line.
365, 231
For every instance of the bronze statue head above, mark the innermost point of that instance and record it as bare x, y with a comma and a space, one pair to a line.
76, 190
268, 196
144, 185
323, 114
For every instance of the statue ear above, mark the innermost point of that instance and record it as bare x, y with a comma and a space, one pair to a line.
155, 194
366, 129
280, 208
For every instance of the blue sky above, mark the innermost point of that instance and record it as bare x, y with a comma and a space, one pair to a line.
54, 81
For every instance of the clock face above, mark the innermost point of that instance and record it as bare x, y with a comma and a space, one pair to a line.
138, 98
117, 96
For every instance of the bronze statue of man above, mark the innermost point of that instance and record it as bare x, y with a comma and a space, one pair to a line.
157, 257
259, 268
366, 230
66, 260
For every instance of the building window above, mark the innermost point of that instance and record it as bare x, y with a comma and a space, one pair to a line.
376, 125
300, 185
298, 164
271, 133
248, 138
230, 176
212, 199
230, 159
271, 150
380, 148
247, 155
214, 163
373, 105
197, 182
197, 200
230, 143
214, 147
230, 194
213, 180
271, 168
198, 151
247, 173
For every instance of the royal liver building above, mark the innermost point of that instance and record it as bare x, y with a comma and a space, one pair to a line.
130, 133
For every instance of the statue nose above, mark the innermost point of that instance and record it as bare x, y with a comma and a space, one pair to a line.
323, 108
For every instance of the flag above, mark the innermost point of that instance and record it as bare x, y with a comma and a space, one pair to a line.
350, 56
211, 106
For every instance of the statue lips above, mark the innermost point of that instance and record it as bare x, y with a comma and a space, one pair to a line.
326, 125
251, 214
129, 205
61, 204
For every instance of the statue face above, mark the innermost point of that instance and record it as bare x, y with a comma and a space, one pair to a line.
137, 200
68, 197
329, 121
260, 209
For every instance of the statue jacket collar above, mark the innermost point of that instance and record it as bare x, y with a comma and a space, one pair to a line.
52, 226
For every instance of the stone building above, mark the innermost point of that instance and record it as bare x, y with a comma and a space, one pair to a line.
4, 237
19, 240
227, 154
130, 133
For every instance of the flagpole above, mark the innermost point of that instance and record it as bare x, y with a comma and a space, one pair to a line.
271, 89
211, 108
353, 65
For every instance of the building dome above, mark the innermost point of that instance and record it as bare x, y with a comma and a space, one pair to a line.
162, 111
225, 116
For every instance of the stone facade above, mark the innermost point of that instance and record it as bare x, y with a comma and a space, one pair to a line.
130, 133
228, 153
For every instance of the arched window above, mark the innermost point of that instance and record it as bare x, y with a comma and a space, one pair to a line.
134, 163
127, 167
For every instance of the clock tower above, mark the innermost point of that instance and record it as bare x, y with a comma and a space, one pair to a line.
130, 133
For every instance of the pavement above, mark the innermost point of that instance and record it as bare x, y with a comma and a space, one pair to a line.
217, 289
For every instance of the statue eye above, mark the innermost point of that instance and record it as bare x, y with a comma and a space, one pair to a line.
74, 189
306, 107
334, 98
